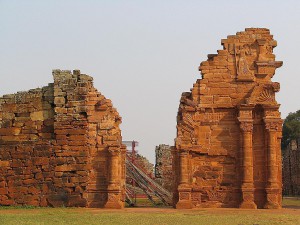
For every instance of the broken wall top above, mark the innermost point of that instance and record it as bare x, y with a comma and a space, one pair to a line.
236, 83
239, 74
71, 102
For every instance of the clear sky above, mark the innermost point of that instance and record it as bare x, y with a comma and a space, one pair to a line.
142, 54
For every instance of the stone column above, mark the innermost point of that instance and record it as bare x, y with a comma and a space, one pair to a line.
113, 167
184, 187
272, 187
247, 186
183, 160
113, 189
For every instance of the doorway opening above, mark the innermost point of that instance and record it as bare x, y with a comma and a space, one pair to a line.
141, 188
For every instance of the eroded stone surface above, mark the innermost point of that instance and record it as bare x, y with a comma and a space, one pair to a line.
291, 169
60, 145
229, 128
163, 166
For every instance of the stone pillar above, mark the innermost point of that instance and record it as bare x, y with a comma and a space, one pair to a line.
184, 187
113, 167
113, 189
247, 186
273, 187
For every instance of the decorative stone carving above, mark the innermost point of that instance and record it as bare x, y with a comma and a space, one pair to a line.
274, 125
243, 67
264, 94
223, 124
246, 126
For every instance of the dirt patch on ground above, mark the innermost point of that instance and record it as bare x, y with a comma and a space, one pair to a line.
288, 210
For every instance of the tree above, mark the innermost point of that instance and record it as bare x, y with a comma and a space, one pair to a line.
291, 129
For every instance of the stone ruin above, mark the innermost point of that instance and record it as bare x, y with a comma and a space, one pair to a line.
291, 169
144, 164
132, 186
163, 166
228, 150
61, 145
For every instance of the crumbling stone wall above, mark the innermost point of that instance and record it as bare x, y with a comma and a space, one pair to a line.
60, 145
291, 169
163, 166
229, 128
143, 163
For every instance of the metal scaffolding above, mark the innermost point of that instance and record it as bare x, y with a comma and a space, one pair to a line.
140, 179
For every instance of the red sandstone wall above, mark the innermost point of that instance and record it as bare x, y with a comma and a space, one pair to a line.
27, 125
229, 128
61, 145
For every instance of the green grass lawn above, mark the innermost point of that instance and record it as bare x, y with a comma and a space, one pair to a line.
145, 216
73, 216
291, 202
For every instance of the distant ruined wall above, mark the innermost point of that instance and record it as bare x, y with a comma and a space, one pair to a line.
291, 169
60, 145
228, 150
163, 166
143, 163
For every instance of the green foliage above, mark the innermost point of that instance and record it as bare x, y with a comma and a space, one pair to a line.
291, 129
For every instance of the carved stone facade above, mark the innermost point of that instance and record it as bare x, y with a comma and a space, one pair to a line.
229, 128
291, 169
163, 166
61, 145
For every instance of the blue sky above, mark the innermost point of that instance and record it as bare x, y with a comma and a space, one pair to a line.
142, 54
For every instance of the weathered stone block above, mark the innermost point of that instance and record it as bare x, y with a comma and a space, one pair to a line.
10, 131
59, 100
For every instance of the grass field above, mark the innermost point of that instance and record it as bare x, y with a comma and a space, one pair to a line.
151, 216
291, 202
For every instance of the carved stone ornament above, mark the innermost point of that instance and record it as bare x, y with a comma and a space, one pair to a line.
222, 123
242, 64
264, 94
246, 126
276, 86
272, 113
273, 125
114, 152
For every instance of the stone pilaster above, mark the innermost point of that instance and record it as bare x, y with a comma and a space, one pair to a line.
184, 187
113, 189
273, 187
247, 186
